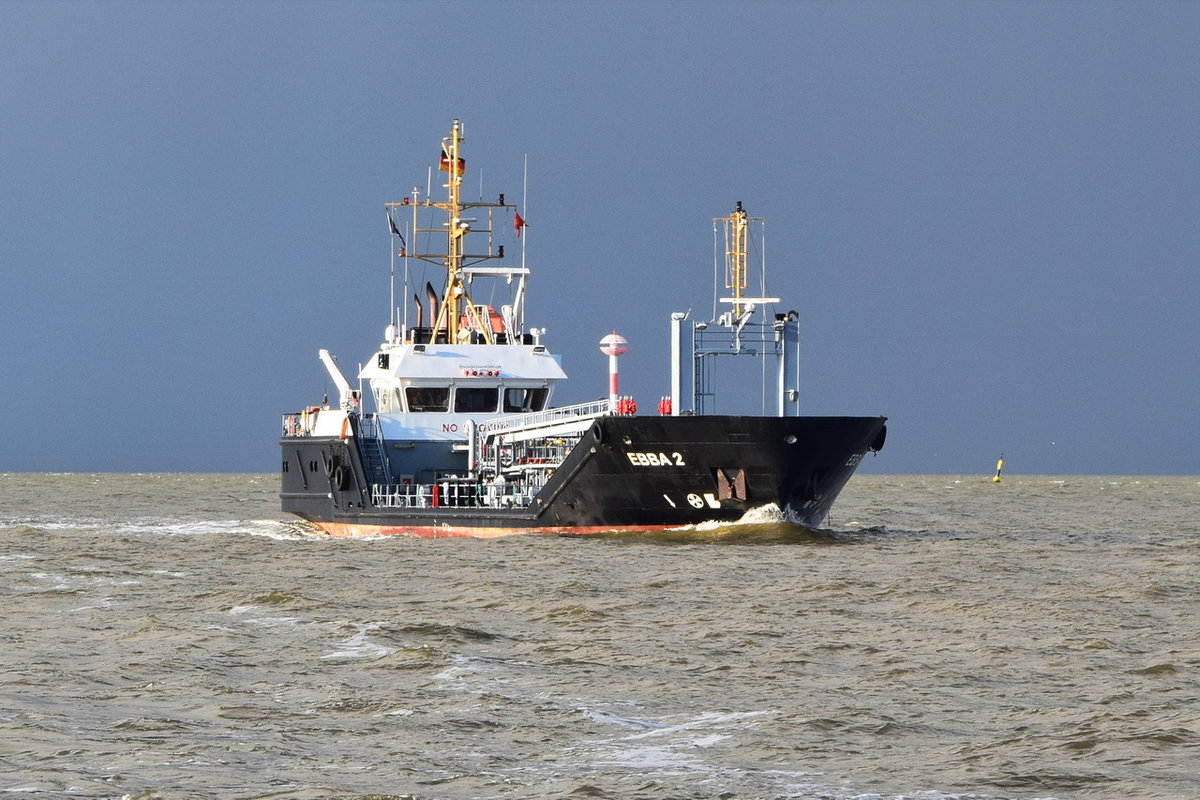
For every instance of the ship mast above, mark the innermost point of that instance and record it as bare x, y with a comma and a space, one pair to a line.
456, 317
747, 329
736, 232
456, 230
737, 238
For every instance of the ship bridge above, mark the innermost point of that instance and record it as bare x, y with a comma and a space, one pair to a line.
410, 378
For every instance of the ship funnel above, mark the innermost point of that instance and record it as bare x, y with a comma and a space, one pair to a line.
433, 305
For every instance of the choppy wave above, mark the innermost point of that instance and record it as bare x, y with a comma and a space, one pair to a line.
941, 639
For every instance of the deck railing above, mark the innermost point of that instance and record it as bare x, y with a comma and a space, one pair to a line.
452, 494
300, 423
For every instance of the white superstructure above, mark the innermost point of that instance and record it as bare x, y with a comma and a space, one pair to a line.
432, 391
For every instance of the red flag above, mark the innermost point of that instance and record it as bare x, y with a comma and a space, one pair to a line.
518, 223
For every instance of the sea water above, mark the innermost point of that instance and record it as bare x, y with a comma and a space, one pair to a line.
174, 637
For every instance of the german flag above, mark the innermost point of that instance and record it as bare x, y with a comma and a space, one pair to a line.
444, 164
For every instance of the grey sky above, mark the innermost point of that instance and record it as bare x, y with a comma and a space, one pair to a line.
986, 213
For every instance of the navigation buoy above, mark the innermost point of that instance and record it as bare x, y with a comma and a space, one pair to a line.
999, 467
612, 346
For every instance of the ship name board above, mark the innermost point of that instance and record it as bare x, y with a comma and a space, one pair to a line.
656, 459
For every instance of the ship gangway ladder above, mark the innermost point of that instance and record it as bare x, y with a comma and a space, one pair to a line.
564, 421
374, 453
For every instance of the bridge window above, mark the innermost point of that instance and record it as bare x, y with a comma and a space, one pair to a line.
475, 400
516, 400
428, 398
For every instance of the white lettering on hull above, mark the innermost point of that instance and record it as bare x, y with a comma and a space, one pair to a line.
656, 459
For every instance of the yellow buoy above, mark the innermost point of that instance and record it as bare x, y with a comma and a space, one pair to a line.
999, 466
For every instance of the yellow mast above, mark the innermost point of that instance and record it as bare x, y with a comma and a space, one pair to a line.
456, 229
736, 233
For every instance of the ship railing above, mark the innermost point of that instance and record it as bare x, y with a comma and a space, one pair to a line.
368, 426
453, 494
753, 338
551, 416
299, 423
532, 454
551, 453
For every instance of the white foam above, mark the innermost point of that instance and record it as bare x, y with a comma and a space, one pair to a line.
768, 514
709, 741
664, 756
663, 745
268, 528
705, 720
273, 622
359, 646
607, 718
168, 526
397, 712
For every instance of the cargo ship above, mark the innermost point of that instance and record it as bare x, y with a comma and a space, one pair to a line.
457, 433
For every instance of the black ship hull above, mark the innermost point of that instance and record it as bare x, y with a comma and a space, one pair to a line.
625, 473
